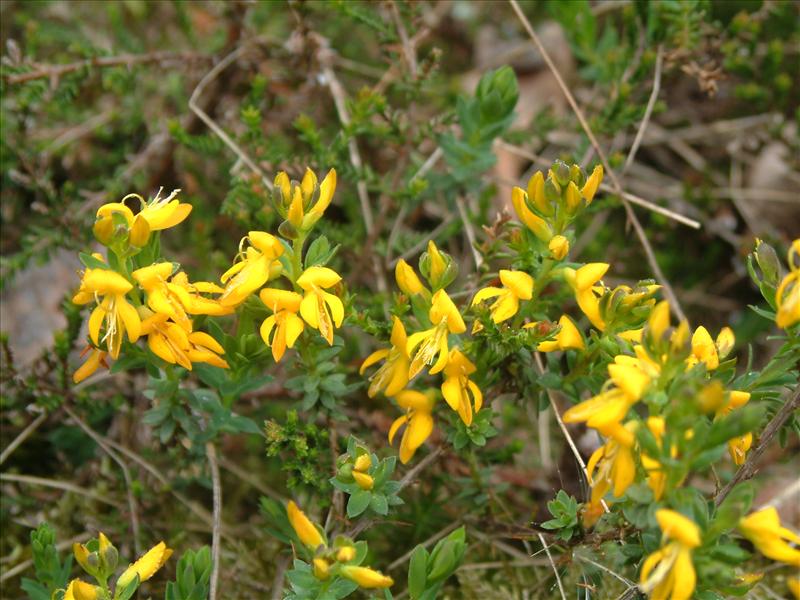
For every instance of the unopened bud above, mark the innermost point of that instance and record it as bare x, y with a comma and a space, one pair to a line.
573, 198
103, 230
559, 247
139, 233
364, 481
322, 569
768, 262
561, 172
346, 554
437, 267
363, 463
536, 193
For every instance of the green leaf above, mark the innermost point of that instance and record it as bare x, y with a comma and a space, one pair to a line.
358, 503
417, 568
90, 262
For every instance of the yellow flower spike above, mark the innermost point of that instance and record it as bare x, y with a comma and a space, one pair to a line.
418, 420
322, 570
296, 212
589, 189
303, 526
461, 393
407, 279
559, 247
573, 198
114, 310
536, 193
147, 565
517, 285
533, 222
97, 358
433, 342
320, 309
80, 590
669, 572
284, 322
392, 376
364, 481
346, 554
763, 529
366, 577
569, 336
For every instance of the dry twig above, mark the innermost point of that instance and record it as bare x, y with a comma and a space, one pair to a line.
211, 454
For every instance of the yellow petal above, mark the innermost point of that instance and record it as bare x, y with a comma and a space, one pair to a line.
372, 359
589, 274
146, 566
326, 190
451, 391
407, 279
442, 307
725, 342
419, 429
336, 306
366, 577
569, 336
519, 282
677, 527
304, 527
80, 590
412, 399
318, 276
631, 380
396, 425
589, 189
276, 300
685, 577
486, 293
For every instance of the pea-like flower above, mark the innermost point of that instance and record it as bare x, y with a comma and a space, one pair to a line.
709, 351
177, 344
787, 295
392, 376
583, 282
95, 360
418, 421
407, 279
113, 312
308, 533
460, 392
252, 268
614, 465
320, 309
147, 565
763, 529
432, 343
531, 220
668, 573
80, 590
568, 336
281, 329
738, 446
367, 578
517, 286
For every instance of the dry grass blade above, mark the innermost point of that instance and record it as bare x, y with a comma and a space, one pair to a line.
211, 454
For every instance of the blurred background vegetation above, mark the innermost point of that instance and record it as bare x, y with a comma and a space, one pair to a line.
103, 99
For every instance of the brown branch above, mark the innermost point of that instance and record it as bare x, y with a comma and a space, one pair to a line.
128, 60
748, 469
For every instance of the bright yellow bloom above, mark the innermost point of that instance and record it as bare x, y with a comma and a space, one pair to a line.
656, 477
706, 350
658, 321
79, 590
433, 342
362, 463
162, 213
305, 529
583, 282
531, 220
517, 286
793, 584
418, 419
147, 565
392, 376
322, 569
614, 462
320, 309
364, 480
407, 279
738, 446
787, 295
668, 573
346, 554
763, 529
252, 267
119, 315
303, 209
589, 188
567, 337
97, 358
178, 344
458, 389
284, 320
366, 577
190, 296
153, 280
559, 247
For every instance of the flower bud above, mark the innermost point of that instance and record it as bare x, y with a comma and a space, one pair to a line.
363, 463
139, 233
103, 230
364, 481
346, 554
711, 397
536, 194
322, 569
725, 342
577, 175
552, 191
590, 188
559, 247
366, 577
768, 262
407, 279
437, 267
573, 198
561, 172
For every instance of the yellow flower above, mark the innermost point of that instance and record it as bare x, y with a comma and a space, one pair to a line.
583, 281
407, 279
119, 315
668, 573
559, 247
615, 465
305, 529
147, 565
97, 358
706, 350
320, 309
738, 446
458, 390
418, 418
567, 337
252, 268
433, 342
793, 584
160, 298
302, 209
322, 569
517, 286
178, 344
658, 321
346, 554
609, 407
284, 320
787, 295
656, 477
531, 220
364, 480
190, 296
392, 376
589, 188
763, 529
162, 213
366, 577
362, 463
79, 590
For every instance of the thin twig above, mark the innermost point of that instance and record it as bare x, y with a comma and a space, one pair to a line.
462, 211
280, 572
624, 580
23, 435
748, 469
211, 454
125, 474
424, 241
651, 103
553, 564
128, 60
408, 51
59, 485
415, 470
212, 125
637, 226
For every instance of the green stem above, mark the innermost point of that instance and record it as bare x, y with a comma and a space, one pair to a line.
297, 258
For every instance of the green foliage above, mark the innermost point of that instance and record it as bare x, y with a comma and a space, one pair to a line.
192, 576
564, 509
51, 574
428, 571
302, 449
